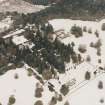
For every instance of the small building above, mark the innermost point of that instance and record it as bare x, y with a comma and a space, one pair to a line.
17, 40
8, 38
61, 34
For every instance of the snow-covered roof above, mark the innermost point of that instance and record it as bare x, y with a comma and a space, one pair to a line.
19, 40
14, 33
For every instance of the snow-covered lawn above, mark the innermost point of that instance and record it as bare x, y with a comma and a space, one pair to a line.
82, 92
89, 94
23, 88
87, 38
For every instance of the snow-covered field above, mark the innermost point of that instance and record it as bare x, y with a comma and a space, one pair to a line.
23, 89
19, 5
89, 94
82, 92
87, 38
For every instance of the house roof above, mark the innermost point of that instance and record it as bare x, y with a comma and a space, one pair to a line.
14, 33
19, 40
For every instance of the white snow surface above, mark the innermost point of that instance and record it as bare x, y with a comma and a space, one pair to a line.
19, 40
89, 94
20, 6
23, 88
87, 38
82, 92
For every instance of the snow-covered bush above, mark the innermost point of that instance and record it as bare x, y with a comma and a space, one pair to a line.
96, 33
51, 88
88, 58
87, 75
64, 89
47, 74
39, 102
100, 85
82, 48
99, 61
12, 100
91, 44
30, 73
39, 90
79, 58
16, 76
38, 93
102, 100
59, 98
85, 29
77, 31
103, 27
89, 30
74, 58
99, 51
98, 44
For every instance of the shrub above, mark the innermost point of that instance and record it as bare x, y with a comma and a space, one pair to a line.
47, 74
100, 85
99, 60
102, 100
85, 29
74, 58
87, 76
38, 91
53, 101
11, 100
99, 51
91, 44
20, 65
77, 31
39, 102
103, 27
64, 89
98, 44
72, 44
96, 33
89, 30
66, 103
30, 72
0, 104
82, 48
59, 98
38, 85
51, 88
88, 58
79, 58
16, 76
